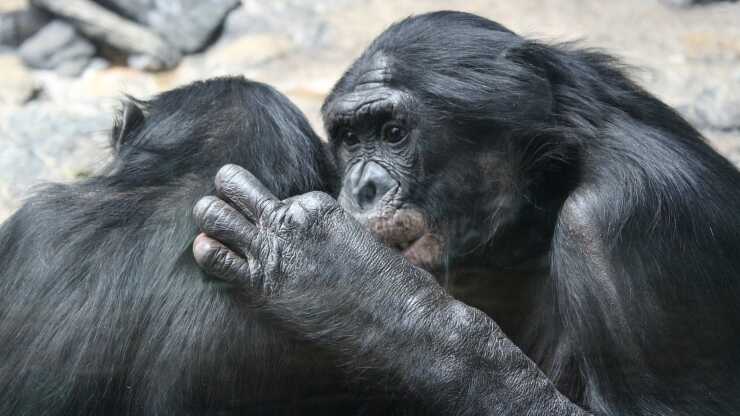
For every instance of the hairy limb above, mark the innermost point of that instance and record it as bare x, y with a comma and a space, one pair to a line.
318, 270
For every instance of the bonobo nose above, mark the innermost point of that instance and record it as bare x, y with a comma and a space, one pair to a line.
366, 185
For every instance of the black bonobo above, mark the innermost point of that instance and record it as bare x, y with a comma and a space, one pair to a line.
582, 238
103, 310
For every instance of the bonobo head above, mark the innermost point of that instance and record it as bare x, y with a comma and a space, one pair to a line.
436, 129
190, 132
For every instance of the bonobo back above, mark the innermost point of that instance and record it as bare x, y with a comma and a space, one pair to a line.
103, 309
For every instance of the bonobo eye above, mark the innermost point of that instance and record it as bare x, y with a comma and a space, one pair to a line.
393, 133
348, 137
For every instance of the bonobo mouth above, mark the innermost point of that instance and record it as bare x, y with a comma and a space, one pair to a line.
407, 231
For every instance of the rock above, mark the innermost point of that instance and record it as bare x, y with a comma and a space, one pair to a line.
303, 21
19, 25
13, 5
48, 142
112, 83
187, 24
110, 29
17, 85
716, 108
728, 143
687, 3
144, 62
711, 45
58, 46
249, 50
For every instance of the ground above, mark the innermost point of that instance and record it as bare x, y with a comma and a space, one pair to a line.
54, 128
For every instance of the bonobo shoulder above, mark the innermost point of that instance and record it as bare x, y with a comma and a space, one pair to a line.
579, 214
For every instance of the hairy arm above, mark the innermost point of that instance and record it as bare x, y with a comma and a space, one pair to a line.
316, 269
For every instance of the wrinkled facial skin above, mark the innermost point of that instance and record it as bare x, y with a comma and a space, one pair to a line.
417, 186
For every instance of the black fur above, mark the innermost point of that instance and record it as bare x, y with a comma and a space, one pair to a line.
634, 312
635, 216
102, 308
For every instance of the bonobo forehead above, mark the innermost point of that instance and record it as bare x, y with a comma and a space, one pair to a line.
444, 60
367, 89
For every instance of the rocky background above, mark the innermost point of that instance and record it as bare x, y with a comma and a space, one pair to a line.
61, 84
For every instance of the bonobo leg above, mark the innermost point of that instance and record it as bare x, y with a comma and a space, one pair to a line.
318, 269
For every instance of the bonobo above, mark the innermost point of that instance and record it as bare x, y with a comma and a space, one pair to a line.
592, 227
103, 310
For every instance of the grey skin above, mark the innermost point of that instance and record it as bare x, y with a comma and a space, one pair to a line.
308, 262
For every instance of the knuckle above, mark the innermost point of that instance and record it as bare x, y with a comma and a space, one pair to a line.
272, 218
231, 179
317, 200
332, 213
243, 271
318, 206
254, 271
295, 216
251, 266
203, 206
275, 215
227, 172
272, 254
219, 217
264, 206
217, 258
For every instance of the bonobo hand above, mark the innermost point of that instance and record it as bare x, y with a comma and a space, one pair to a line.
271, 246
317, 269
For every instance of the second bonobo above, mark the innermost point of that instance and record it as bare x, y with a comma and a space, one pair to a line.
591, 223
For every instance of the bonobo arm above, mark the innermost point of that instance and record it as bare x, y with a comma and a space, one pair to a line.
316, 269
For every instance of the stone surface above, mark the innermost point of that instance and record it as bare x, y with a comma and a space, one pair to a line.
248, 50
186, 24
688, 57
17, 84
716, 108
114, 32
42, 142
12, 5
18, 25
58, 46
686, 3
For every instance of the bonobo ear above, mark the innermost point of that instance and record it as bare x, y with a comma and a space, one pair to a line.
129, 119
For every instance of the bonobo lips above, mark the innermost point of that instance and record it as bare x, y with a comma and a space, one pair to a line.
407, 231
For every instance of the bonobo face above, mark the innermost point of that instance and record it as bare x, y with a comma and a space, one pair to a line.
375, 138
443, 133
416, 183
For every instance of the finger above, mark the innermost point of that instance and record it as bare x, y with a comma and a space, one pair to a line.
224, 223
219, 261
245, 191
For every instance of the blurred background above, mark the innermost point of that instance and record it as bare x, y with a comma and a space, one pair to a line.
65, 64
